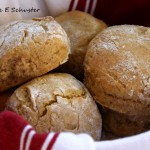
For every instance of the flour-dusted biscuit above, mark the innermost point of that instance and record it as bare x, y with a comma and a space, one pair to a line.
57, 102
30, 48
117, 69
117, 73
81, 28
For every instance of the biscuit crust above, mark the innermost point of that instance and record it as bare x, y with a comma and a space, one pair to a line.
117, 69
57, 102
30, 48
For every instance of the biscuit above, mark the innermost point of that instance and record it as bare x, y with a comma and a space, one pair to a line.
30, 48
57, 102
117, 69
123, 124
81, 28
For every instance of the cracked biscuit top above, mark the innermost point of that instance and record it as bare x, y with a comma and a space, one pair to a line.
117, 69
57, 102
30, 48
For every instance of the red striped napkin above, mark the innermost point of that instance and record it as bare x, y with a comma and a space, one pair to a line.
17, 134
111, 11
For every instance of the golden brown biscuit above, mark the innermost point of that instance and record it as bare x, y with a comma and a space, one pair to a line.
57, 102
29, 49
81, 28
117, 69
123, 124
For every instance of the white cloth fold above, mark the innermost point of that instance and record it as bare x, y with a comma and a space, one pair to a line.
46, 7
70, 141
137, 142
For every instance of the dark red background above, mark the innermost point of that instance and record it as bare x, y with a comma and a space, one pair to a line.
115, 12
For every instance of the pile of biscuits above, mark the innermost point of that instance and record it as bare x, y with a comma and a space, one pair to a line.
45, 61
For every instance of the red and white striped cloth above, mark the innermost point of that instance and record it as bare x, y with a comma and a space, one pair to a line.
111, 11
15, 132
